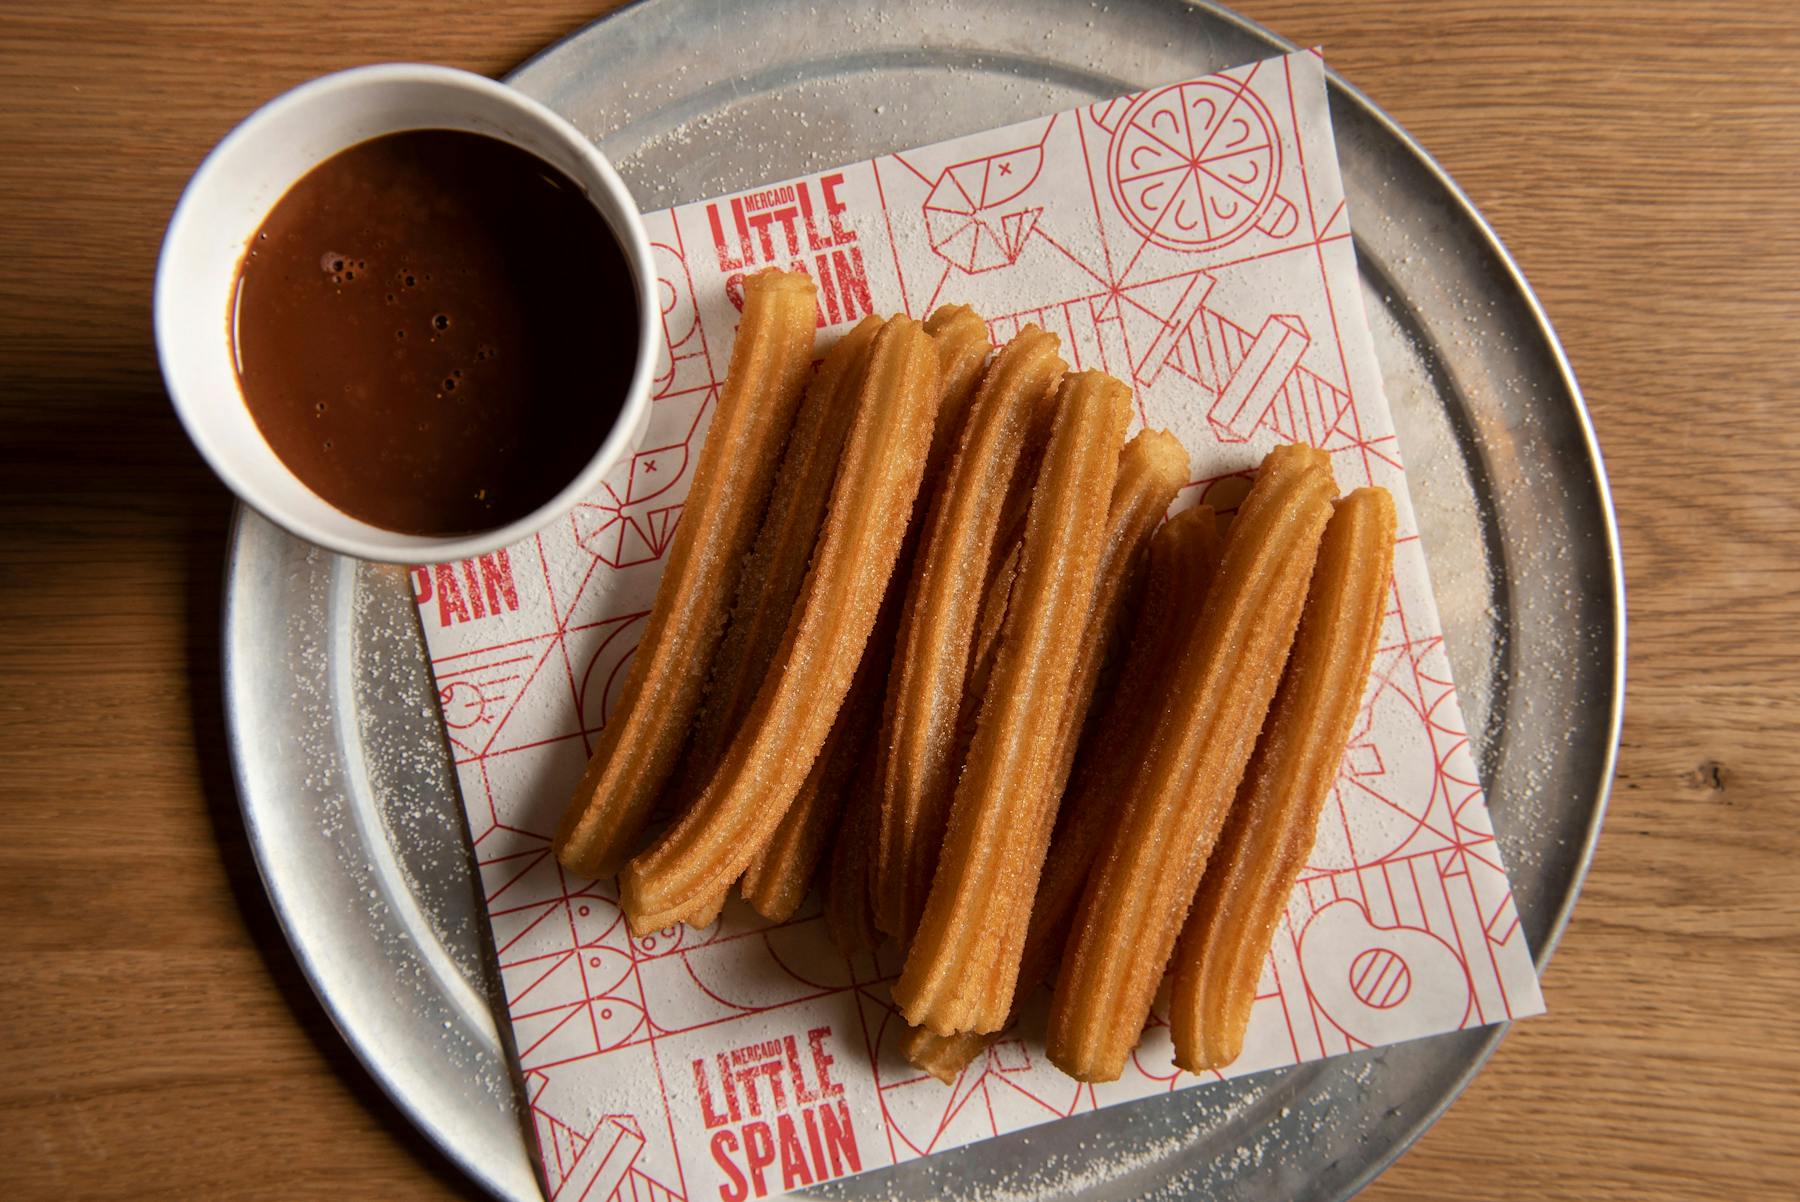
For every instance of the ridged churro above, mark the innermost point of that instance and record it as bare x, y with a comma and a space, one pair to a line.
849, 911
943, 1056
1152, 855
1152, 468
1182, 557
693, 863
961, 338
636, 750
773, 572
1271, 826
916, 759
982, 651
963, 348
962, 964
776, 881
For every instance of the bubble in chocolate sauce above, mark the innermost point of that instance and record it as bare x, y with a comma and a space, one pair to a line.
441, 321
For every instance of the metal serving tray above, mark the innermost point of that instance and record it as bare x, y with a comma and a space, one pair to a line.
347, 788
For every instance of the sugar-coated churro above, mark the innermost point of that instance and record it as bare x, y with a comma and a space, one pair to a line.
1152, 468
1182, 557
943, 1056
849, 911
776, 881
637, 749
773, 572
989, 622
916, 753
1151, 856
963, 349
961, 338
982, 651
963, 961
1271, 826
1151, 464
700, 857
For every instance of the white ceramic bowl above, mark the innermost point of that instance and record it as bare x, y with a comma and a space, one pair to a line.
224, 205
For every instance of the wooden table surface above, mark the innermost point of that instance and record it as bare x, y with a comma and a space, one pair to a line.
1640, 160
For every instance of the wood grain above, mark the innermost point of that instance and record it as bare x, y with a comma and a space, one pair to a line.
1641, 162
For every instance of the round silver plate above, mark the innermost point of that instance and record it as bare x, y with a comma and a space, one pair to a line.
342, 769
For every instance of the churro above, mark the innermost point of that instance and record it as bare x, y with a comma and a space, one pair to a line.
1271, 826
916, 761
963, 348
772, 573
1152, 468
982, 651
1182, 557
637, 748
699, 858
961, 967
849, 911
1152, 854
943, 1056
776, 881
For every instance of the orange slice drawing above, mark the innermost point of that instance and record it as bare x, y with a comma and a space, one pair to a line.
1193, 166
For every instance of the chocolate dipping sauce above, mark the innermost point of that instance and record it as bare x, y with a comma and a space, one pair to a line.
435, 331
